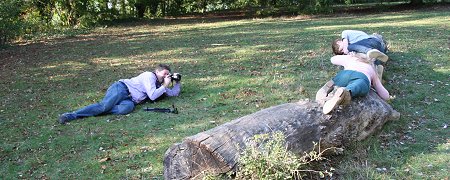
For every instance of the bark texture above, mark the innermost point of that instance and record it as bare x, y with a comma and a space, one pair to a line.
217, 150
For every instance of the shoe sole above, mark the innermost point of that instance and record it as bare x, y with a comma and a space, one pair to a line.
325, 90
377, 55
334, 102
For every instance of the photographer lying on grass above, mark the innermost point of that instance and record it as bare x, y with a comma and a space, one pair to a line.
122, 96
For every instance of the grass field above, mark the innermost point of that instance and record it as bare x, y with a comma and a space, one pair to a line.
231, 68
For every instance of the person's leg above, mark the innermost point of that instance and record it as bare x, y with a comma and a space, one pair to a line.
124, 107
358, 87
358, 48
384, 43
115, 94
342, 78
323, 92
377, 55
371, 43
352, 84
341, 96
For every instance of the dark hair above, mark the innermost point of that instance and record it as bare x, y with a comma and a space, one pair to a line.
161, 67
335, 47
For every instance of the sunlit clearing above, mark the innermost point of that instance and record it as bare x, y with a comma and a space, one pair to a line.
68, 69
443, 71
74, 65
112, 62
213, 81
373, 23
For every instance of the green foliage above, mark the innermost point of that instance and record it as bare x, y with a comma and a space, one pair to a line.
30, 17
268, 158
10, 22
322, 6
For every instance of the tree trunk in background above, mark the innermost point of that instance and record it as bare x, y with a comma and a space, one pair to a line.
140, 9
217, 150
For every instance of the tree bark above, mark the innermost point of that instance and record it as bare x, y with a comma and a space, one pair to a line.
217, 150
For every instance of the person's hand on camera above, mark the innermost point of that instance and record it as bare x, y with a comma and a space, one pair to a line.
167, 81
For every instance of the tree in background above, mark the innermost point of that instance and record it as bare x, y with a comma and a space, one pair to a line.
10, 23
19, 17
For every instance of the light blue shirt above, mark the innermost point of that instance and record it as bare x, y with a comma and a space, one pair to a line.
354, 36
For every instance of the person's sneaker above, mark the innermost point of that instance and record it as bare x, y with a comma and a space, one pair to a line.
340, 95
376, 54
323, 92
66, 117
379, 69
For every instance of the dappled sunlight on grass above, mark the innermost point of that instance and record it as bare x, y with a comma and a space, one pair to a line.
401, 20
430, 164
442, 70
206, 25
214, 81
66, 65
230, 69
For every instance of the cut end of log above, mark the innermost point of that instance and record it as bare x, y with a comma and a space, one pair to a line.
192, 160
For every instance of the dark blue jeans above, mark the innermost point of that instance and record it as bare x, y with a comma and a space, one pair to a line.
117, 100
356, 82
366, 45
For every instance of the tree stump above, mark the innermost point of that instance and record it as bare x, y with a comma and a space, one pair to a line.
217, 150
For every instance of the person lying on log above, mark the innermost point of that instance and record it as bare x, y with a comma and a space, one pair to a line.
122, 96
355, 80
360, 42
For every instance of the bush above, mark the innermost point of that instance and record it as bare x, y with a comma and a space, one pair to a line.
10, 23
268, 158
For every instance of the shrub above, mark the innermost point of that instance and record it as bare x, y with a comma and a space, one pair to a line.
268, 158
10, 23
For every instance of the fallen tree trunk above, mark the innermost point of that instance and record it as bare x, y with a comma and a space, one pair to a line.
217, 150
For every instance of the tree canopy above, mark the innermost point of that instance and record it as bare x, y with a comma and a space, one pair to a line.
27, 16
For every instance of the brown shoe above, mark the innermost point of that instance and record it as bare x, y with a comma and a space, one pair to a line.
340, 95
323, 92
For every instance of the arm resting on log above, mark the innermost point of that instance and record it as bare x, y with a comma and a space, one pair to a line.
217, 150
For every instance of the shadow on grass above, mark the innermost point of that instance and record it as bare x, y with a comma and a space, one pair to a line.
231, 68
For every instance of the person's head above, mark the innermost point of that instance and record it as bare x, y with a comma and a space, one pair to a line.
161, 71
337, 47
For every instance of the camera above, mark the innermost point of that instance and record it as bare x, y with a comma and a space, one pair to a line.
175, 77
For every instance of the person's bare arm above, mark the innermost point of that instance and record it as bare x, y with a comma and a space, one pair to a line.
345, 46
381, 91
340, 59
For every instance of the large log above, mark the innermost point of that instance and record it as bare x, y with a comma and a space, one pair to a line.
217, 150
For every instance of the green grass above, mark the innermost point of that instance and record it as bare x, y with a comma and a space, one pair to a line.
231, 69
